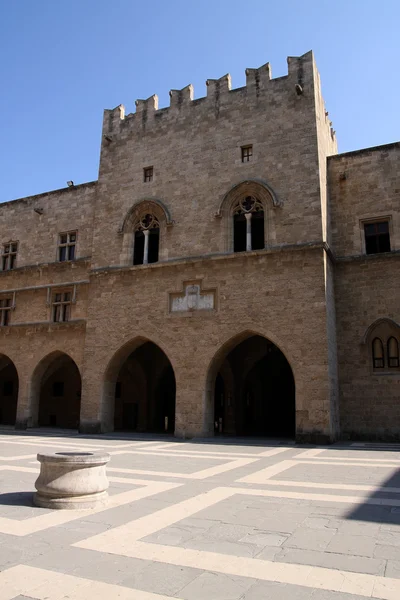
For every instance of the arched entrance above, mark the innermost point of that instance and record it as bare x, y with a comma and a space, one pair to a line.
144, 391
57, 385
254, 391
8, 391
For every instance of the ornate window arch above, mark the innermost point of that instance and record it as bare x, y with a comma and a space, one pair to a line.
248, 216
144, 231
382, 340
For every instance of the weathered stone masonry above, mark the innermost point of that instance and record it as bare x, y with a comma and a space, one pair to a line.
166, 323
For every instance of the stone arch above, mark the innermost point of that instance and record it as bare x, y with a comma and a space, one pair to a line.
55, 391
9, 387
382, 323
251, 360
263, 193
147, 357
382, 329
152, 206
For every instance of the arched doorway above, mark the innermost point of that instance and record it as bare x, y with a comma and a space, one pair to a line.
57, 383
145, 391
8, 391
254, 391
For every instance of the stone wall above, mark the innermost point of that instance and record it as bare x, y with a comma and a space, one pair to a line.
365, 185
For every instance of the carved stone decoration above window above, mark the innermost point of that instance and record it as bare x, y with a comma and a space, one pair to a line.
193, 298
145, 222
247, 205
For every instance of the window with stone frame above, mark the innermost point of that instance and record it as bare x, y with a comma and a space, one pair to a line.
146, 240
393, 353
5, 311
67, 246
246, 153
148, 173
384, 338
377, 237
61, 306
378, 355
9, 256
248, 225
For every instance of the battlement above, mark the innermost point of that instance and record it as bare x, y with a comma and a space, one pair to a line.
298, 84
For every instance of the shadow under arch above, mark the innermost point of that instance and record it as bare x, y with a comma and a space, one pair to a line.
258, 396
55, 392
138, 390
9, 384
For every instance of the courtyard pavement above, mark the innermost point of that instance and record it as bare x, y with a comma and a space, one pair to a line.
213, 521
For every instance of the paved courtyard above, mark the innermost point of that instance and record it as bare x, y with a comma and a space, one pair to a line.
212, 521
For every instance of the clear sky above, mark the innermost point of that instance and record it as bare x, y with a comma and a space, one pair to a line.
64, 61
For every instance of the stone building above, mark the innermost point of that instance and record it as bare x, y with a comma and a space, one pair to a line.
228, 272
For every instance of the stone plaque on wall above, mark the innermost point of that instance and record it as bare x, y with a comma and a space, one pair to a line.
193, 298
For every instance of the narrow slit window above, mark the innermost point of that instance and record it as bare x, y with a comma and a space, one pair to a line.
5, 311
378, 358
393, 353
247, 153
377, 237
67, 246
61, 307
9, 256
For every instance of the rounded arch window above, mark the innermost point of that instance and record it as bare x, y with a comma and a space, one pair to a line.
248, 224
377, 354
393, 353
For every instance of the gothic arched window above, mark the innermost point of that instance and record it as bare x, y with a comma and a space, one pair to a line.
248, 225
147, 239
378, 358
393, 353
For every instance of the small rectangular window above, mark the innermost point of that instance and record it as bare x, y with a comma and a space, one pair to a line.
148, 174
9, 256
247, 153
61, 307
67, 246
5, 311
377, 237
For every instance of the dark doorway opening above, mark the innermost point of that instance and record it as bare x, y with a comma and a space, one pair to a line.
60, 394
258, 398
145, 392
8, 391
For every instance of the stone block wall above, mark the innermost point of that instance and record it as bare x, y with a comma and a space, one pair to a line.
365, 185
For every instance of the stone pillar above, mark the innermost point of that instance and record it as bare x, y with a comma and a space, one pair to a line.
146, 246
94, 394
248, 231
28, 402
194, 408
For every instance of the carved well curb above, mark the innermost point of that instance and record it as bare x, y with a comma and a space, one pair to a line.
70, 480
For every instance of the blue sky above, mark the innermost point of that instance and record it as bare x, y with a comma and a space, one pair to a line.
64, 61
